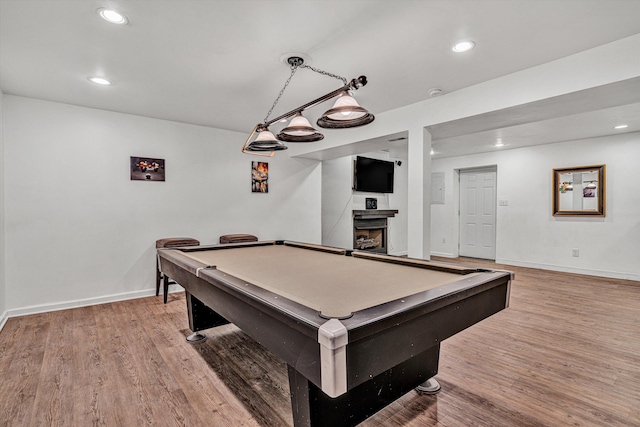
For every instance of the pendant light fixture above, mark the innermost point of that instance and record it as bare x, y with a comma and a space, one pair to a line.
299, 130
346, 113
264, 142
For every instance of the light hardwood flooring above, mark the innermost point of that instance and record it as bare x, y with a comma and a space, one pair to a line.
566, 352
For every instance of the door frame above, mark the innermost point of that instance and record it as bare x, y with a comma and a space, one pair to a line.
456, 201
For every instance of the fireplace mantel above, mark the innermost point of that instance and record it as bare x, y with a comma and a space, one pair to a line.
374, 213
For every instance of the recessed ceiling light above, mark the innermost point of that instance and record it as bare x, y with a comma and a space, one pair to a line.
432, 152
112, 16
99, 81
621, 126
463, 46
499, 143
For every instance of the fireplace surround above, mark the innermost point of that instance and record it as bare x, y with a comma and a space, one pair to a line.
370, 229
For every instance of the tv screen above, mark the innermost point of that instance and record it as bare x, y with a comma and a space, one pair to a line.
373, 176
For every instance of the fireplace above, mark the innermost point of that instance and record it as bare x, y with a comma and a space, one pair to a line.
370, 230
370, 235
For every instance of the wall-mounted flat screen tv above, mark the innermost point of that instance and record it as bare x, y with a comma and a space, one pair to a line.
373, 175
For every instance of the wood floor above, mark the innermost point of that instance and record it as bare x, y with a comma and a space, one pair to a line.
566, 352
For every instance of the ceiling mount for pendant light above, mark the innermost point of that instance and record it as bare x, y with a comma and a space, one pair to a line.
345, 113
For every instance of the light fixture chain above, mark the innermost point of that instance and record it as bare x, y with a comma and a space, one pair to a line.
293, 71
325, 73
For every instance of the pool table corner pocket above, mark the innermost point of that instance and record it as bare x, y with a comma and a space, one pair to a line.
333, 339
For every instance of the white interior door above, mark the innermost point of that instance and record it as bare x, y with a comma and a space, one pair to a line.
478, 213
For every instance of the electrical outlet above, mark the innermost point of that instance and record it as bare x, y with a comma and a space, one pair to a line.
444, 240
503, 202
575, 252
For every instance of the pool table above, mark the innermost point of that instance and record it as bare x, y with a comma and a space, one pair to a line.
356, 329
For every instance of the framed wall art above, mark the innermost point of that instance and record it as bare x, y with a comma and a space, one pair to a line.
147, 169
579, 191
259, 177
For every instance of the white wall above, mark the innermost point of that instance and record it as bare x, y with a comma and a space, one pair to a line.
79, 231
3, 305
528, 234
339, 200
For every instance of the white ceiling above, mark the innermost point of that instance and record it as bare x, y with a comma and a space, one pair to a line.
218, 62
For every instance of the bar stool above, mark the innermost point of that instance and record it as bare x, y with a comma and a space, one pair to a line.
238, 238
170, 242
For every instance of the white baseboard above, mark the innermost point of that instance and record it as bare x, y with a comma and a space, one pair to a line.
405, 253
45, 308
3, 319
564, 269
401, 253
443, 254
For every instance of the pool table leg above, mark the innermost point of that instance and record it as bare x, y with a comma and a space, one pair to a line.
158, 276
430, 386
313, 408
201, 317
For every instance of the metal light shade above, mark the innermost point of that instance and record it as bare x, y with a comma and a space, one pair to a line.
299, 130
265, 142
346, 113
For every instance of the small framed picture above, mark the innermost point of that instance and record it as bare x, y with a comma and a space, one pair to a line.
259, 177
147, 169
371, 203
